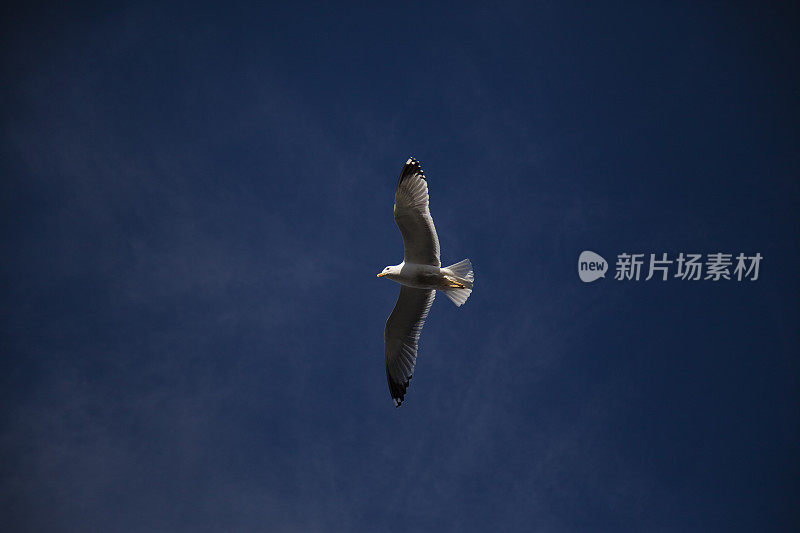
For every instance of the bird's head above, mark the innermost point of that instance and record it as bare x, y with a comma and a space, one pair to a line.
389, 270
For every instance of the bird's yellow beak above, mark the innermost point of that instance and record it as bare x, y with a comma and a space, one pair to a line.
381, 274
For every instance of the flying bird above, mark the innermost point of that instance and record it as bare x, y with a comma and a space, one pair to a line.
420, 276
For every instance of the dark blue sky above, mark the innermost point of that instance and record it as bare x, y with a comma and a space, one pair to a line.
196, 200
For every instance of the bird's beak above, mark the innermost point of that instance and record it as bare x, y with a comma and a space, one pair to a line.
381, 274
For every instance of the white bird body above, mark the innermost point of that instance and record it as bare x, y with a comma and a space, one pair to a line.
420, 275
425, 277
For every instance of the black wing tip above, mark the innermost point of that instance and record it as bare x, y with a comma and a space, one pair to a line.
398, 399
411, 168
398, 391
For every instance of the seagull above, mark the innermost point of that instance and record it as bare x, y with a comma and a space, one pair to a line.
420, 276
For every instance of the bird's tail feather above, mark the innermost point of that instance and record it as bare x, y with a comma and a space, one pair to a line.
464, 276
462, 269
458, 296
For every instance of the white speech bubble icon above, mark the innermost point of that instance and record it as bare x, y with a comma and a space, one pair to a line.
591, 266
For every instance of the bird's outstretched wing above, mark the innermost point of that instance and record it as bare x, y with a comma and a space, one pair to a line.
402, 336
413, 217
